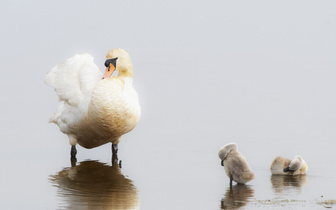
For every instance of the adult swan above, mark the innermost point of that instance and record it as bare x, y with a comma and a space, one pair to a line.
94, 109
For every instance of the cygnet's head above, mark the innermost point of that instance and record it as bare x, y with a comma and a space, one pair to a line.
298, 157
222, 153
295, 164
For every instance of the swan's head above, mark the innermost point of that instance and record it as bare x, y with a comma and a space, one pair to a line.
224, 151
118, 59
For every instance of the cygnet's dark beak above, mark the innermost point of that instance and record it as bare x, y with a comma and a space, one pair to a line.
222, 162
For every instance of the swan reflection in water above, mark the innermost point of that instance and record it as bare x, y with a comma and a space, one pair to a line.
237, 196
283, 182
95, 185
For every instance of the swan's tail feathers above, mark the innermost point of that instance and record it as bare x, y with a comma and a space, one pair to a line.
74, 78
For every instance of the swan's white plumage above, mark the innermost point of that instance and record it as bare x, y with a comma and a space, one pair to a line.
93, 111
73, 80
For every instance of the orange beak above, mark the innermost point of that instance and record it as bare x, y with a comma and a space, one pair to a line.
109, 70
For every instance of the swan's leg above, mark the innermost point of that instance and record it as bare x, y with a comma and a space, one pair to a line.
115, 155
73, 155
73, 161
73, 152
114, 149
114, 160
231, 181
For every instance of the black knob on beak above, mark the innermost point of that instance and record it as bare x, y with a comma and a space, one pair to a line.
112, 61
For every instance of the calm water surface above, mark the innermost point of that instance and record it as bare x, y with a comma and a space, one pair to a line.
160, 175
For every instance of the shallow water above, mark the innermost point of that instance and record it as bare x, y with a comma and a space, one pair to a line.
156, 176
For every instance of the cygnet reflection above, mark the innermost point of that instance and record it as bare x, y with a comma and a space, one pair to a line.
95, 185
283, 182
237, 197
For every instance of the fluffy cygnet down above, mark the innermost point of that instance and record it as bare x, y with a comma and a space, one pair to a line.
285, 166
235, 164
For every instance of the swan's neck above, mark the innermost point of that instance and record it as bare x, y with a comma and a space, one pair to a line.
125, 69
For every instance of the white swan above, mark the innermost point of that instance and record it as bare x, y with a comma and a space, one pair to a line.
235, 164
94, 109
285, 166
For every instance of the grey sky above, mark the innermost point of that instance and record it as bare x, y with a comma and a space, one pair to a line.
255, 64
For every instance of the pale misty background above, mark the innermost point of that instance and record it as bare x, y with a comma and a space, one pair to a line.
260, 73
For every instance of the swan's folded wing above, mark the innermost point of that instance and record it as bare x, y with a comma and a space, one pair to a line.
74, 79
